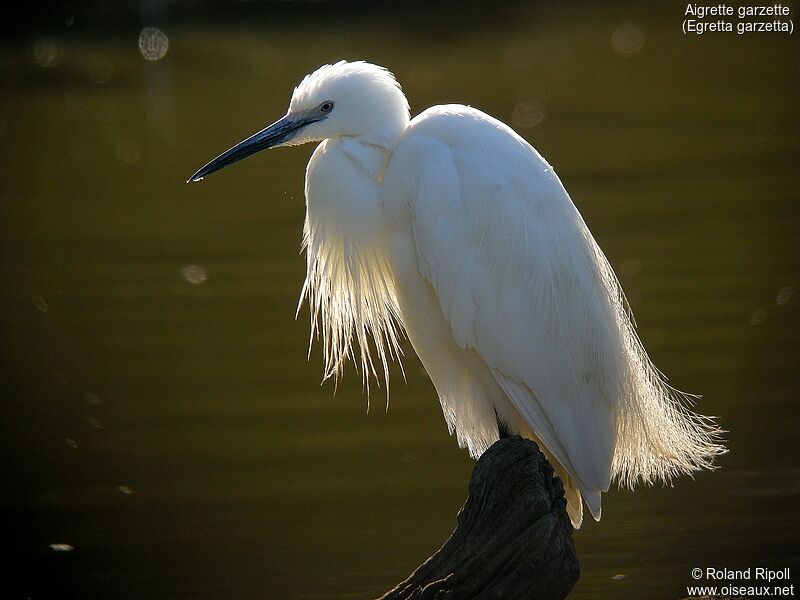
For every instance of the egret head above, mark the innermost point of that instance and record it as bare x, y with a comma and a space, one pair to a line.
345, 99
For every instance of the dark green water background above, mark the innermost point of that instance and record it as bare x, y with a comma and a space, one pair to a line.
174, 434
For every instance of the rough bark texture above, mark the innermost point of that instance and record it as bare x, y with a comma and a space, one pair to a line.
513, 539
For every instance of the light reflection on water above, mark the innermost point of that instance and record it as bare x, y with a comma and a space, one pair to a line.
212, 464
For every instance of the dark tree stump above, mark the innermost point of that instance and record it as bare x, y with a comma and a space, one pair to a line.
513, 539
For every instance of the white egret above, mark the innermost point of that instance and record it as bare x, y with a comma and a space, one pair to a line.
452, 228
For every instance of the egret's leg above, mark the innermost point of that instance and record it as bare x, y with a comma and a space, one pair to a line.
502, 428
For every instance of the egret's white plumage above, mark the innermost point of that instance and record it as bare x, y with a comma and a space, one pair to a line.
453, 228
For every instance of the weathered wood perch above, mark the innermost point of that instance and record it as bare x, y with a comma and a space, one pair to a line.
513, 539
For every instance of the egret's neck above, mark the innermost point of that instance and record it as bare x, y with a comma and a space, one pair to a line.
348, 284
344, 213
367, 156
343, 182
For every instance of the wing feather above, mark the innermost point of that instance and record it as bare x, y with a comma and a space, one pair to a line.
522, 283
504, 249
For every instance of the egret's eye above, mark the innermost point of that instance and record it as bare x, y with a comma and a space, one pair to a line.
327, 106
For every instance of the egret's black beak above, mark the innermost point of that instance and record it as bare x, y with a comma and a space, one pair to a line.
280, 131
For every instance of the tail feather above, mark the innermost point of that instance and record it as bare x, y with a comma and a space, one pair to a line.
572, 491
573, 496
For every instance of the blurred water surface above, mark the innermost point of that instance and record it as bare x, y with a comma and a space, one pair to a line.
160, 417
